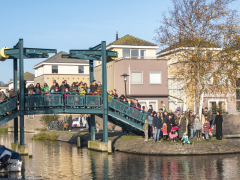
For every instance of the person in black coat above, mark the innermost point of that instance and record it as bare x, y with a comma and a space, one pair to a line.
157, 125
88, 119
93, 86
70, 123
170, 123
218, 122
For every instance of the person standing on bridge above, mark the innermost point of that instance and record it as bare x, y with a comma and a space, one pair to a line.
99, 87
93, 86
66, 84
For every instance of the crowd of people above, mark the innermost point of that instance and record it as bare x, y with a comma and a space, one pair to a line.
174, 126
158, 125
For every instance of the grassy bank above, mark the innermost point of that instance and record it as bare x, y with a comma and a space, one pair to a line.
3, 130
46, 136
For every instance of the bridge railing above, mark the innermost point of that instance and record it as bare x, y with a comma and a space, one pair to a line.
8, 105
127, 109
63, 100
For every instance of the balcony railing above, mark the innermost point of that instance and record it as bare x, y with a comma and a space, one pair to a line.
136, 57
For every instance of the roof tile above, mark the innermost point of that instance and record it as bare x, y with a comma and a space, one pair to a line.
131, 40
57, 58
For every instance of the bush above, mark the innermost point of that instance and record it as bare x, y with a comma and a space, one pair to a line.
3, 130
45, 136
47, 118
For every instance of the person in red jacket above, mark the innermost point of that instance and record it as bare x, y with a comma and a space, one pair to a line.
206, 126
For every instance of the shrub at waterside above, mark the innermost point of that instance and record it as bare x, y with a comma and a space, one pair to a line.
46, 136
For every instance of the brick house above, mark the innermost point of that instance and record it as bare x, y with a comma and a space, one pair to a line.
147, 80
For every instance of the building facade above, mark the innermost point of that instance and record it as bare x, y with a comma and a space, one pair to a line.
147, 80
59, 69
179, 97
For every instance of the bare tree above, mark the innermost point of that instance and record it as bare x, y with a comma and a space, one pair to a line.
203, 38
1, 83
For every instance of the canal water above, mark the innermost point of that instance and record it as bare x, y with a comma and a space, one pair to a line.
60, 160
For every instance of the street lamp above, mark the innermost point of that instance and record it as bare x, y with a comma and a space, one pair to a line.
125, 80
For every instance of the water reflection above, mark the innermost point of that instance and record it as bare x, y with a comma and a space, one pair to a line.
58, 160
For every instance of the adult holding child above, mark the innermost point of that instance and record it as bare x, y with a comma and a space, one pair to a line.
218, 122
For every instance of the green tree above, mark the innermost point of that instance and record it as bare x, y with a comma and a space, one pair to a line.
47, 118
203, 37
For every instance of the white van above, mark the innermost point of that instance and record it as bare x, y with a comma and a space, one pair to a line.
76, 122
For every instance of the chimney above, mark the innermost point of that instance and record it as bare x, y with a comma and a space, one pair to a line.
116, 36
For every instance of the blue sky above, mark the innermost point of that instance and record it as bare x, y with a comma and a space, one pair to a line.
75, 24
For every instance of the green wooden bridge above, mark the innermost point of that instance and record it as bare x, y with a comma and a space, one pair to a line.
102, 105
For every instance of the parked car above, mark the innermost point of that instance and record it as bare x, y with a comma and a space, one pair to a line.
76, 122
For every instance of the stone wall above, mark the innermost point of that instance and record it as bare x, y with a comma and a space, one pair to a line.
231, 124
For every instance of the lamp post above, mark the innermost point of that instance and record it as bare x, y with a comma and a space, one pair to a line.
125, 80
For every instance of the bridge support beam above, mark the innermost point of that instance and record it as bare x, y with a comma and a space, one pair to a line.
21, 92
104, 91
15, 87
91, 73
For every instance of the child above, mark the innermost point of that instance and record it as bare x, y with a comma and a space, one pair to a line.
165, 134
47, 99
145, 128
198, 127
173, 134
185, 139
83, 92
97, 126
206, 126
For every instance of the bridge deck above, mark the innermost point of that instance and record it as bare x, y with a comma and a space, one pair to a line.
119, 113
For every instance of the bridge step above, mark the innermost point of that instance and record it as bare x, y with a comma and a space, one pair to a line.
124, 123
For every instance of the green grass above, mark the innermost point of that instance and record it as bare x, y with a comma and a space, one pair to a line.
191, 140
46, 136
131, 137
3, 130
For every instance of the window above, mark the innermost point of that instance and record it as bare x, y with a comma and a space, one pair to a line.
146, 103
136, 78
54, 69
143, 53
134, 53
126, 52
80, 69
155, 78
217, 104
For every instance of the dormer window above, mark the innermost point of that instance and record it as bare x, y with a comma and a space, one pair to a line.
134, 53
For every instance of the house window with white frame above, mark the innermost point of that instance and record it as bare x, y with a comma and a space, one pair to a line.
155, 77
146, 103
136, 77
54, 69
81, 69
134, 53
214, 104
